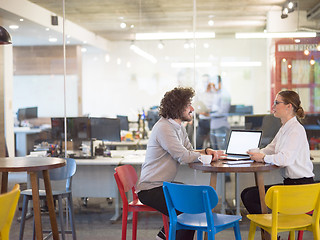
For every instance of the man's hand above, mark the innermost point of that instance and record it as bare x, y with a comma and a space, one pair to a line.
219, 154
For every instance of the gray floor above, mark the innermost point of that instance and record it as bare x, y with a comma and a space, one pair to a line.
93, 222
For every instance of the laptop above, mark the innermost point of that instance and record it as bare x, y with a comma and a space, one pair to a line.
240, 141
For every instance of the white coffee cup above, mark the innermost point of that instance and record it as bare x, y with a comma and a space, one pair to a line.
254, 150
205, 159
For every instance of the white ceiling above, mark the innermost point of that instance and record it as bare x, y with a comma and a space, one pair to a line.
103, 17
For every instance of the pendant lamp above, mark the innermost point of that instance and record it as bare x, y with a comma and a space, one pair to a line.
4, 36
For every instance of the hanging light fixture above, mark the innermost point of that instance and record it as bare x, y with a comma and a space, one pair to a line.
4, 36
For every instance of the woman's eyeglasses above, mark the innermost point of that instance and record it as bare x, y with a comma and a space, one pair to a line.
277, 102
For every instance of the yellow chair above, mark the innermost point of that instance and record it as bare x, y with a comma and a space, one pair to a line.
8, 205
289, 203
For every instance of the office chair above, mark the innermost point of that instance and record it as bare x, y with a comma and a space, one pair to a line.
126, 178
58, 174
289, 204
196, 204
8, 203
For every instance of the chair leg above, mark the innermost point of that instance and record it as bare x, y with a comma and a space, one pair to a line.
199, 235
236, 230
292, 235
23, 216
124, 223
165, 225
63, 236
316, 232
172, 232
71, 215
134, 225
252, 231
300, 235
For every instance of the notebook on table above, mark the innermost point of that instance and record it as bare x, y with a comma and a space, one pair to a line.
240, 141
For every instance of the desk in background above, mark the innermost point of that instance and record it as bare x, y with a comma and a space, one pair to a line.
24, 140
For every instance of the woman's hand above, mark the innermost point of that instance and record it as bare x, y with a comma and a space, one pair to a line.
219, 154
257, 156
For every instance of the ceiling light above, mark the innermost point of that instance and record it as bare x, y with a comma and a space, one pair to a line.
190, 64
240, 64
297, 40
21, 19
306, 52
47, 29
5, 37
289, 66
128, 64
143, 54
284, 60
186, 45
107, 58
53, 39
160, 45
318, 47
131, 26
123, 25
206, 45
14, 27
312, 61
276, 35
210, 22
83, 50
174, 35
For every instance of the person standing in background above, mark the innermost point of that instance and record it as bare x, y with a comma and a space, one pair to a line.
206, 100
219, 125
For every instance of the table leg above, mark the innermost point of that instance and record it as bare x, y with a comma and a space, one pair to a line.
36, 205
4, 182
52, 214
260, 184
237, 193
213, 180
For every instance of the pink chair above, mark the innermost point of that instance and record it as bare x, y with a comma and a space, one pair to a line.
126, 178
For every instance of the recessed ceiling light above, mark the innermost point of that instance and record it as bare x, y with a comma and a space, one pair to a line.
21, 19
47, 29
84, 42
53, 39
174, 35
312, 61
131, 26
306, 52
123, 25
83, 50
68, 42
210, 22
13, 27
297, 40
276, 35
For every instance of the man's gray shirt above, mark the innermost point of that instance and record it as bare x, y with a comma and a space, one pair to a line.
168, 147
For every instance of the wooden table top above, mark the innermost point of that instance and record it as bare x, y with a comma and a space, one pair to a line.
30, 164
221, 166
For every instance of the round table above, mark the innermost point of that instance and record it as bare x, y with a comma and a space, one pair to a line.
33, 165
221, 167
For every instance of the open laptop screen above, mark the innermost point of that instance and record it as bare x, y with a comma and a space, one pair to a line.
240, 141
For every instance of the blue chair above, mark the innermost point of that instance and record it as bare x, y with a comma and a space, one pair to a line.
58, 174
196, 204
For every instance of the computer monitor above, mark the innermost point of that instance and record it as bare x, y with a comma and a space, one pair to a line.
124, 122
78, 128
27, 113
57, 128
106, 129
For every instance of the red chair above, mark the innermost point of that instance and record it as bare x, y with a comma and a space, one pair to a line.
126, 178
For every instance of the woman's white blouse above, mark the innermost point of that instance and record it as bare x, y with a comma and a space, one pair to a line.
290, 149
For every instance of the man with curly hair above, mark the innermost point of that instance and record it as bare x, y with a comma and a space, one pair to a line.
167, 148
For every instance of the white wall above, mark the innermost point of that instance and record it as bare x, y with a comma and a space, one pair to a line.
110, 88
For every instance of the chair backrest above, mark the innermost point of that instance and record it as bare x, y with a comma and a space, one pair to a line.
190, 198
126, 178
294, 199
8, 203
64, 173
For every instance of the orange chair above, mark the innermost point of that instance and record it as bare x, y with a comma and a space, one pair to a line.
126, 178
